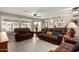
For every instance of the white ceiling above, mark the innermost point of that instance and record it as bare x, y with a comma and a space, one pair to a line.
42, 12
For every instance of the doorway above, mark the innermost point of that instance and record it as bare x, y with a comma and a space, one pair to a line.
37, 26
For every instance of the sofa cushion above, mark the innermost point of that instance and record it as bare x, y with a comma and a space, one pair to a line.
21, 30
44, 30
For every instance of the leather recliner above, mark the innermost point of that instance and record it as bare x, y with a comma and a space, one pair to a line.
22, 34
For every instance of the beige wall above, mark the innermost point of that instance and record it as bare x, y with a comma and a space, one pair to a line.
0, 23
56, 20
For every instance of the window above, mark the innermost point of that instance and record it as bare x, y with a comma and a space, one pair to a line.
29, 25
6, 26
15, 24
23, 24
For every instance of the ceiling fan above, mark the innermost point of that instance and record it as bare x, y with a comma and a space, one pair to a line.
36, 14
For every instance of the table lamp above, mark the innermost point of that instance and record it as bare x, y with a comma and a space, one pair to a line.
72, 25
71, 29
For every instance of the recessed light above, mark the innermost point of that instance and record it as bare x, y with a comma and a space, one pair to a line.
25, 10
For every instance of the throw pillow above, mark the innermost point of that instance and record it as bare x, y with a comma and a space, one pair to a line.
56, 33
49, 32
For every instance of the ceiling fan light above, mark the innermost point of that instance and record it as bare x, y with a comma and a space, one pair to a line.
25, 10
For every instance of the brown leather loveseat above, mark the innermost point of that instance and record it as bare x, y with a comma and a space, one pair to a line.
22, 34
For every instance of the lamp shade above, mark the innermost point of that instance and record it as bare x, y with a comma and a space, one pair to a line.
72, 25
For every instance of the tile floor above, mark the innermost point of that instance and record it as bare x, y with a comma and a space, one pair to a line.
30, 45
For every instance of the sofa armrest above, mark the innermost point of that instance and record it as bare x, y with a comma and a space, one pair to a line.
60, 37
74, 41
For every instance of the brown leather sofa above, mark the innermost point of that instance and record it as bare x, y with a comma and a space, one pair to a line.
52, 39
66, 46
22, 34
